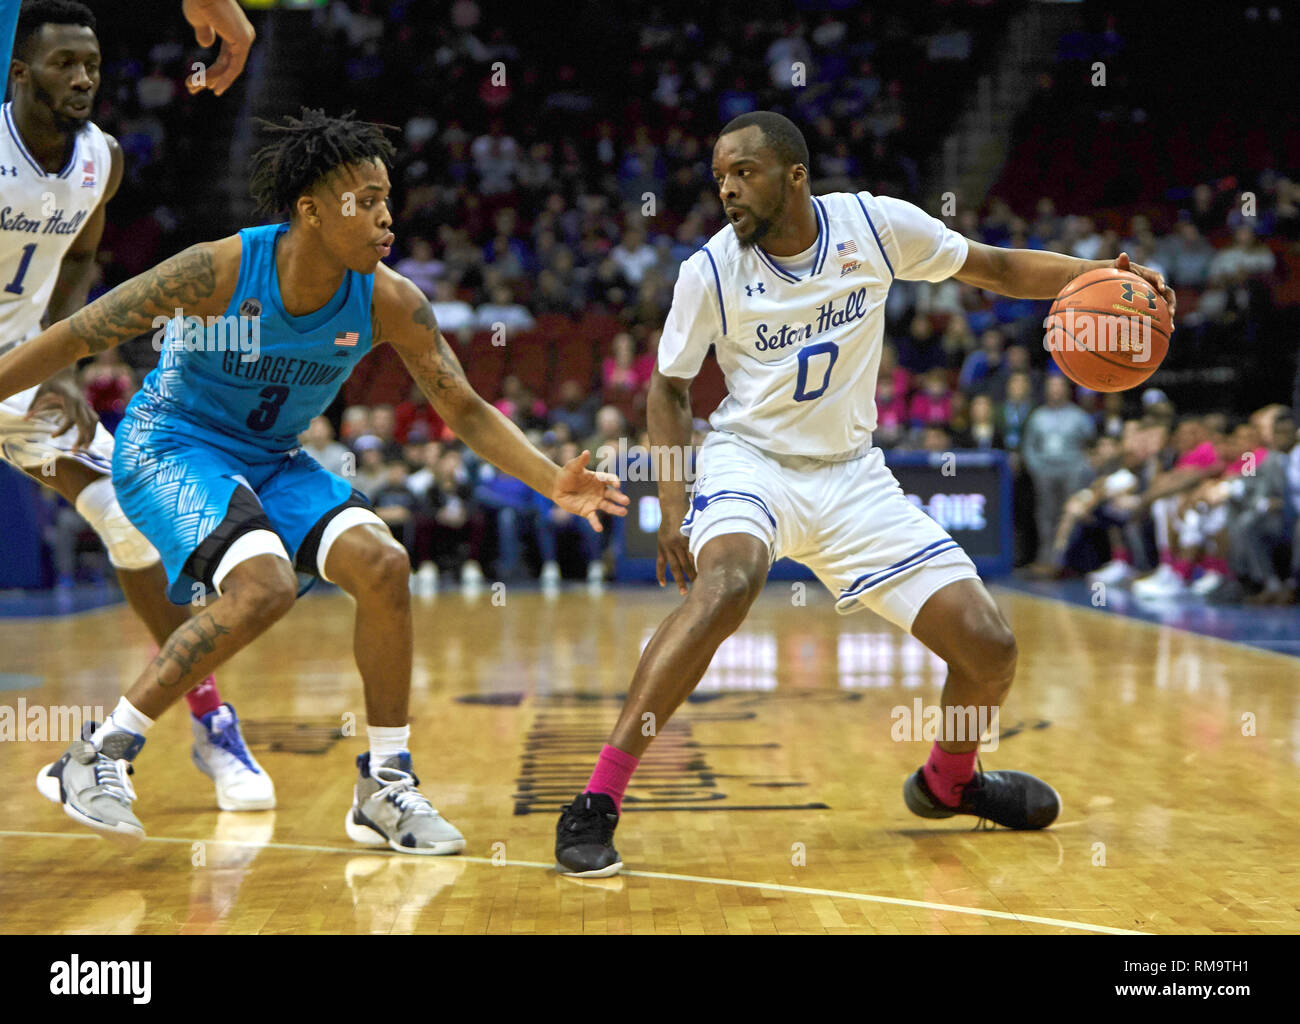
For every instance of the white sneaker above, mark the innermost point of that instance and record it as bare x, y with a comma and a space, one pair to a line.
426, 580
1207, 582
1113, 573
1164, 582
220, 753
470, 574
596, 573
550, 575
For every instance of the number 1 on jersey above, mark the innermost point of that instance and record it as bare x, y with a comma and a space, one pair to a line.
805, 356
15, 287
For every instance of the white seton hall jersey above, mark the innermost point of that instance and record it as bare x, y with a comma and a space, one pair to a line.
40, 215
800, 347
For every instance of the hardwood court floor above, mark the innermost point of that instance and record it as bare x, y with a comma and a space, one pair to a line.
771, 803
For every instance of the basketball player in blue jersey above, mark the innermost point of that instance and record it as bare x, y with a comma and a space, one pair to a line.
792, 293
208, 466
58, 171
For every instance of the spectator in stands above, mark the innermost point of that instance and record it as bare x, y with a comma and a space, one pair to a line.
395, 505
574, 410
1246, 257
108, 386
921, 350
422, 478
889, 368
495, 157
1015, 409
982, 364
519, 404
508, 503
445, 518
634, 256
453, 315
1054, 448
318, 442
935, 439
505, 311
553, 522
1265, 516
369, 472
891, 414
610, 427
1186, 256
982, 432
421, 268
932, 405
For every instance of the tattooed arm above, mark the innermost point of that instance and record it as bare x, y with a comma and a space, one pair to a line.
198, 281
401, 317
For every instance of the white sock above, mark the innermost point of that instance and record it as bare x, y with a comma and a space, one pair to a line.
385, 741
124, 716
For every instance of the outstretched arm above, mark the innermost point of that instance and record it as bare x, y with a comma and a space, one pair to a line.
191, 281
1037, 274
403, 318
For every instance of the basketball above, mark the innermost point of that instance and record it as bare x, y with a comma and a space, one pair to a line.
1108, 330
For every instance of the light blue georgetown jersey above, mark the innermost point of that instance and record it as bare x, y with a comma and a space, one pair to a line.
250, 381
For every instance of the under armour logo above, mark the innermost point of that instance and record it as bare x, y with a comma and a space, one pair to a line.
1126, 292
749, 289
11, 169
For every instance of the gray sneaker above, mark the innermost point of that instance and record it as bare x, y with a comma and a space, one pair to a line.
93, 785
387, 810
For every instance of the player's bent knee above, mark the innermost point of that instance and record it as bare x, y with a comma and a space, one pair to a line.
723, 597
390, 572
265, 587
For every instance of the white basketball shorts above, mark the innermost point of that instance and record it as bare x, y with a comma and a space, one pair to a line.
849, 522
29, 444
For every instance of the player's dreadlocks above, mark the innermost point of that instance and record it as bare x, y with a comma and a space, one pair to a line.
309, 148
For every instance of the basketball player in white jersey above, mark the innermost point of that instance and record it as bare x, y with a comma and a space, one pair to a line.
792, 294
58, 171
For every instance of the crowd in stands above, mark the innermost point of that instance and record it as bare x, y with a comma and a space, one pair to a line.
556, 203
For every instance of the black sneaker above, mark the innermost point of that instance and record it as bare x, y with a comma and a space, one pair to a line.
584, 838
1010, 799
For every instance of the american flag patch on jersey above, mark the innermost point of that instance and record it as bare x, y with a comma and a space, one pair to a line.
348, 338
843, 249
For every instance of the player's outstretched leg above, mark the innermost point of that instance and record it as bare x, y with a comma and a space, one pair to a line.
90, 779
387, 808
962, 624
219, 750
731, 571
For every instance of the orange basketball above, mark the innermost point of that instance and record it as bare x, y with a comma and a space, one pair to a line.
1108, 330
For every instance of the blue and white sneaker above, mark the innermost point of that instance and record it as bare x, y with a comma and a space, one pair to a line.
221, 754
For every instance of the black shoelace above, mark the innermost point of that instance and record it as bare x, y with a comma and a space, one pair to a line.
588, 825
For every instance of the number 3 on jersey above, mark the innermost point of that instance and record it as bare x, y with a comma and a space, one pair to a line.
825, 348
265, 415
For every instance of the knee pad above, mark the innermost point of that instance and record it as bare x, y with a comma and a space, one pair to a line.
127, 547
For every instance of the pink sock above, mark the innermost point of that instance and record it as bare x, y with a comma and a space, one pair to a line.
1183, 567
1166, 558
1215, 563
204, 697
1122, 555
946, 773
614, 769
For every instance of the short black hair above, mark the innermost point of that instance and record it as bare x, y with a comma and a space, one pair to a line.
781, 135
309, 148
35, 13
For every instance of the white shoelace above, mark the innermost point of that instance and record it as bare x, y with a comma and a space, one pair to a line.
112, 776
402, 792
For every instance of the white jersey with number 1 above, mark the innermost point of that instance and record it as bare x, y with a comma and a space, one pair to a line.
800, 349
40, 215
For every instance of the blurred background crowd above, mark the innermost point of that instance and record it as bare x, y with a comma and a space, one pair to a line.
544, 207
